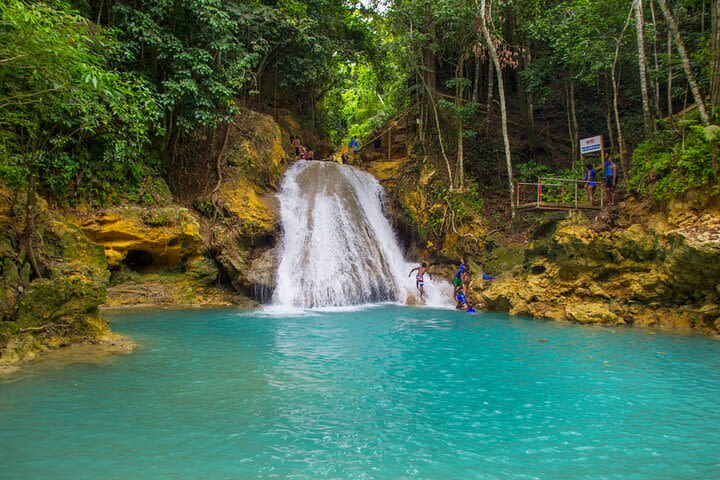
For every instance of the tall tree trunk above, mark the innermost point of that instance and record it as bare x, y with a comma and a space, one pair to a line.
656, 81
572, 123
714, 54
615, 77
503, 109
573, 119
431, 98
618, 123
694, 88
670, 77
428, 53
490, 93
608, 116
460, 177
530, 100
648, 119
476, 82
27, 252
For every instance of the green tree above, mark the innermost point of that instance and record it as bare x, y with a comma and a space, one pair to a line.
57, 96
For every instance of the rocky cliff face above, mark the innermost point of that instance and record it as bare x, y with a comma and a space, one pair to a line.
245, 237
628, 267
428, 226
61, 307
216, 248
218, 252
660, 270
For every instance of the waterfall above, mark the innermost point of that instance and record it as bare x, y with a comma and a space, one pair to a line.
338, 247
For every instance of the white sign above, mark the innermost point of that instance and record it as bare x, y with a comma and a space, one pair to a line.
590, 145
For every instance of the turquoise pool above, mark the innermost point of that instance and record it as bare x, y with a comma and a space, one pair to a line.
385, 392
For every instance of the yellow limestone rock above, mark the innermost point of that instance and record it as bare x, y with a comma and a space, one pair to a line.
387, 170
594, 312
166, 235
254, 212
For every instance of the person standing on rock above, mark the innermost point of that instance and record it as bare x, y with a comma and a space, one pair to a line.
355, 147
457, 279
420, 278
377, 142
297, 144
610, 173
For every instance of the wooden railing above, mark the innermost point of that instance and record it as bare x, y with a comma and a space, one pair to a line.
558, 194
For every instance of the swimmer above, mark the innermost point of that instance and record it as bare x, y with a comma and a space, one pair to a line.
462, 302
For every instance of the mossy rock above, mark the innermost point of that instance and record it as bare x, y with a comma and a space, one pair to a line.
503, 260
160, 194
75, 280
202, 270
258, 154
8, 329
74, 251
636, 243
59, 299
160, 217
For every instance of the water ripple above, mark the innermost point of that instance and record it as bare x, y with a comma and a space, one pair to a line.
387, 392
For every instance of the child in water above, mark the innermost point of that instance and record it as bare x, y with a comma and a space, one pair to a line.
462, 303
420, 278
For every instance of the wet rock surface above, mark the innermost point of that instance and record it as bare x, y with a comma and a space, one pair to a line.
61, 306
658, 271
215, 249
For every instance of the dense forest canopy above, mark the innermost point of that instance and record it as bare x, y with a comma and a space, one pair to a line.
98, 94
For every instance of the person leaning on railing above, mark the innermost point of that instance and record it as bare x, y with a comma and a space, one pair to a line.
591, 184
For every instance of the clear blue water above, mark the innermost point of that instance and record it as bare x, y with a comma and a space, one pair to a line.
382, 393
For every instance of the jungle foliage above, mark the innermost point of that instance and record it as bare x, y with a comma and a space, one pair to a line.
98, 95
569, 69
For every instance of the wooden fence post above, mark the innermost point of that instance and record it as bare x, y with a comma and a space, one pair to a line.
576, 195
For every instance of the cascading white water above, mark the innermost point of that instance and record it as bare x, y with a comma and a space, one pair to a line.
338, 248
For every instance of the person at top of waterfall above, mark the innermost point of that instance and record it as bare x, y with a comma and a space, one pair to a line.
377, 142
297, 144
590, 183
420, 278
355, 147
303, 155
457, 279
610, 174
311, 153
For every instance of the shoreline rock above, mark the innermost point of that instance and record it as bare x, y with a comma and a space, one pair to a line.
66, 354
645, 272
